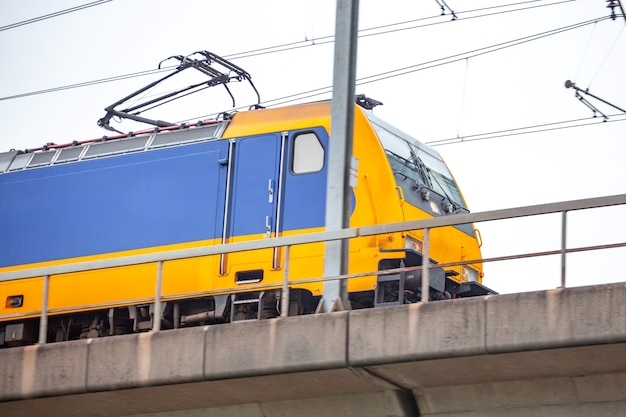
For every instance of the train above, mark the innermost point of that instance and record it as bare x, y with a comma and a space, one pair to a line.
249, 175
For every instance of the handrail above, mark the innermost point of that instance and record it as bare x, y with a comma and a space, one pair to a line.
287, 282
287, 242
318, 237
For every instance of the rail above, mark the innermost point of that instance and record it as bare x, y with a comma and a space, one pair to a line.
287, 242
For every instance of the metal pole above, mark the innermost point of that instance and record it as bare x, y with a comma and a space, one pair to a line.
284, 302
156, 316
43, 321
425, 267
338, 191
563, 246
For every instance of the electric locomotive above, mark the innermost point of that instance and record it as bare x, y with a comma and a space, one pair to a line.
251, 175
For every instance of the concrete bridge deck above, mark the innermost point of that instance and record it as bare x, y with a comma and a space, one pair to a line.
551, 353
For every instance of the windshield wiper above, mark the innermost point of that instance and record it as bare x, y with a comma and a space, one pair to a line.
453, 206
421, 168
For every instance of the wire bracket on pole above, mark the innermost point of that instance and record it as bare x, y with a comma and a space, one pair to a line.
219, 70
612, 4
594, 109
444, 6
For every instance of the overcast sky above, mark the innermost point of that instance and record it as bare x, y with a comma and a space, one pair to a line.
473, 87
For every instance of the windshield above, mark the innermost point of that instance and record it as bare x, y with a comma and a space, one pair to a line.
411, 159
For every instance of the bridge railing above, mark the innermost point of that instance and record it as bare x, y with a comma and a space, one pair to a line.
286, 242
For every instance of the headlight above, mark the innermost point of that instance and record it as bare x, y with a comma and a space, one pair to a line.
470, 274
413, 244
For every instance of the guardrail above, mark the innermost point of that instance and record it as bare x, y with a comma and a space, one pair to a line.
287, 242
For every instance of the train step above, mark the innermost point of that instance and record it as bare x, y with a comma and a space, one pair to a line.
246, 306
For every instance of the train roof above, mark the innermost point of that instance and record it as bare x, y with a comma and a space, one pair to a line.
238, 124
51, 154
244, 123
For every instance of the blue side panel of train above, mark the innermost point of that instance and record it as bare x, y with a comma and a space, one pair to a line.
257, 166
254, 198
112, 204
304, 201
154, 198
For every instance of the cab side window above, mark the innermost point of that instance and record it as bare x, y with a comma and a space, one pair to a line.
308, 154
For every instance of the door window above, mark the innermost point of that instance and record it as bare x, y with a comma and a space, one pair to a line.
308, 154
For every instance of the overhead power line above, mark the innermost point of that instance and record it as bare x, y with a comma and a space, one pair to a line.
474, 53
55, 14
397, 27
546, 127
88, 83
378, 30
423, 66
517, 131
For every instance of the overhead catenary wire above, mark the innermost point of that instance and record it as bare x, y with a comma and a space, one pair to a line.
517, 131
545, 127
463, 98
88, 83
394, 73
55, 14
378, 30
606, 57
423, 66
584, 54
393, 28
476, 52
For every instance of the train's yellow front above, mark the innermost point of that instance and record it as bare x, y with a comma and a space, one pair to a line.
257, 175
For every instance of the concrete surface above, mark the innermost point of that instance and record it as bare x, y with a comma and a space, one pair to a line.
550, 353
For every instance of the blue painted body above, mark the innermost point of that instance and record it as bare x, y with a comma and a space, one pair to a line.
304, 200
152, 198
112, 204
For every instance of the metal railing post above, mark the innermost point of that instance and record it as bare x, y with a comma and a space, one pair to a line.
43, 321
284, 301
563, 246
156, 317
425, 266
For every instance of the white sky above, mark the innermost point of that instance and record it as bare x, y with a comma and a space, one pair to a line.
514, 87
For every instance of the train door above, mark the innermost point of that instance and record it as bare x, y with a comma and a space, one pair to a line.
305, 180
304, 202
252, 203
277, 187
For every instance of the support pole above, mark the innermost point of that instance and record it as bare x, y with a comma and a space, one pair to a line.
338, 191
563, 246
156, 316
284, 302
43, 321
426, 267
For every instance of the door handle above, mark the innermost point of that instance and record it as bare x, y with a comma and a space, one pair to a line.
268, 227
270, 191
